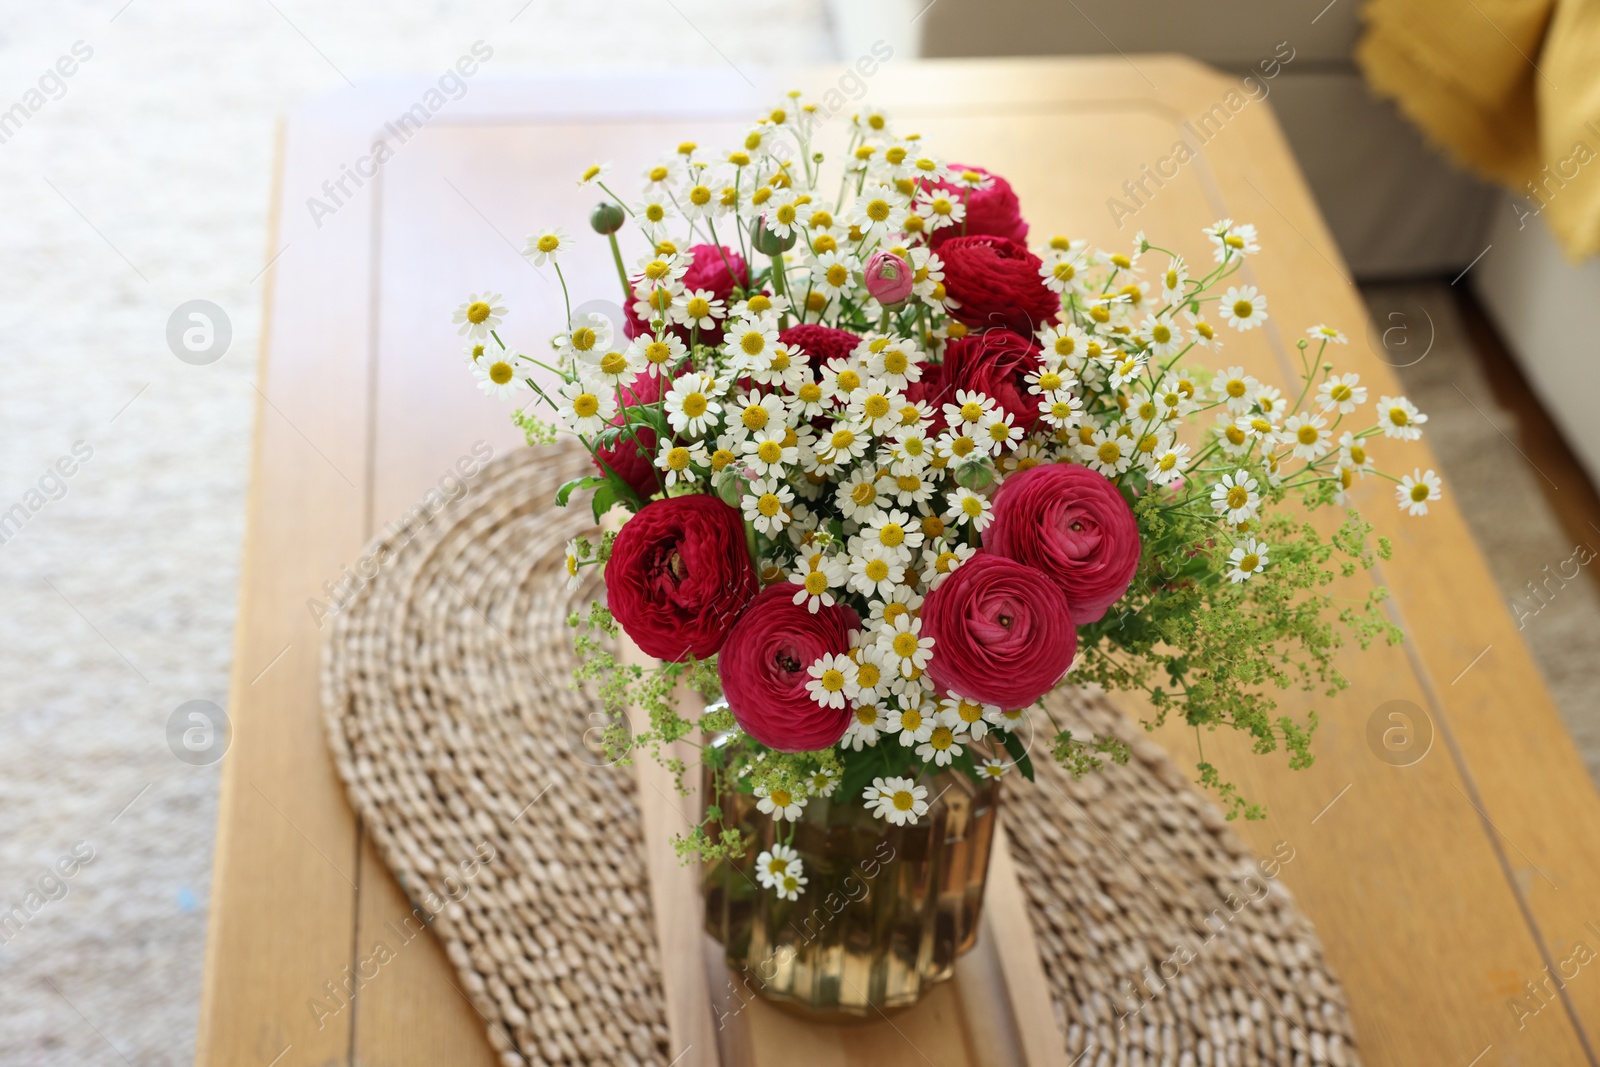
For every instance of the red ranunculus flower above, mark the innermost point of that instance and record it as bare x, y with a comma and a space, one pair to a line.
821, 343
633, 466
1071, 523
993, 211
679, 575
1001, 632
763, 670
997, 283
995, 363
708, 269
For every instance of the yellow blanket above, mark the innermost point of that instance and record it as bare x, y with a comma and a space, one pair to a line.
1509, 89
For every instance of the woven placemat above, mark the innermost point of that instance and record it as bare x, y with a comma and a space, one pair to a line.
462, 745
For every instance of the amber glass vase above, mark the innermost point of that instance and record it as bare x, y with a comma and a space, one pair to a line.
884, 916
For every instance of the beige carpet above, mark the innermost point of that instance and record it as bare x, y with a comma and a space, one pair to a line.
1504, 484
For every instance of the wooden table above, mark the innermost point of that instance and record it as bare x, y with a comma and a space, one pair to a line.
1440, 889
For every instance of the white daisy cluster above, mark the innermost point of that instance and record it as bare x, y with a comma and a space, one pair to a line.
863, 475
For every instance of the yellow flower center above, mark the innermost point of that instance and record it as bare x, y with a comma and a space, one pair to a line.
613, 363
849, 380
699, 196
720, 459
1243, 309
769, 504
694, 405
1109, 452
753, 342
892, 534
657, 351
698, 307
1238, 496
1340, 392
878, 210
971, 411
903, 800
1168, 461
1399, 417
908, 483
583, 338
893, 611
500, 373
678, 459
1419, 492
1249, 562
877, 570
1307, 435
658, 174
867, 675
962, 446
905, 646
549, 242
837, 275
941, 738
816, 583
655, 213
781, 798
1065, 271
832, 680
867, 715
585, 405
477, 311
1049, 380
1160, 335
769, 451
810, 392
1358, 454
754, 417
842, 439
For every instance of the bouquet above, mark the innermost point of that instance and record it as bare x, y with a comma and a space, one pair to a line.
890, 475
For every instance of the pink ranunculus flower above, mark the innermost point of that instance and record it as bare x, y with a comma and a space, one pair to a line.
1073, 524
1002, 632
889, 279
763, 667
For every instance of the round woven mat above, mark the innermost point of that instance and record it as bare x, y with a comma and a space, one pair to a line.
451, 720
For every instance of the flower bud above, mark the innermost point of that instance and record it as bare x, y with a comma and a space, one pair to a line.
768, 243
974, 475
889, 279
607, 217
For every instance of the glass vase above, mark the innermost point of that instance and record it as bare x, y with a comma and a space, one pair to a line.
885, 913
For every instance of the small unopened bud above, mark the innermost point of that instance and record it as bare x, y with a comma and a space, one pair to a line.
607, 217
889, 279
974, 476
768, 243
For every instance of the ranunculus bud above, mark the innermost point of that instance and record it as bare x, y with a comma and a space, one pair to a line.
768, 243
607, 217
889, 279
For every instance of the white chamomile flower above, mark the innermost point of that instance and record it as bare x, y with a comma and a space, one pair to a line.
700, 308
657, 355
652, 214
1063, 412
772, 864
1167, 464
1353, 453
1327, 335
874, 569
866, 683
895, 361
967, 716
766, 505
676, 460
968, 508
779, 803
573, 563
875, 405
899, 800
833, 273
1106, 452
969, 409
911, 489
586, 408
1175, 397
1417, 490
497, 374
822, 783
593, 173
1341, 392
1400, 418
843, 444
750, 342
588, 339
754, 413
1234, 439
1230, 241
993, 768
790, 886
1161, 336
909, 720
941, 747
961, 442
875, 209
903, 640
1173, 281
827, 675
1205, 334
1009, 719
1309, 434
910, 450
1248, 560
858, 495
1243, 307
866, 722
999, 431
1048, 380
767, 451
815, 577
1127, 368
691, 404
938, 209
1235, 497
895, 533
615, 368
899, 600
478, 315
939, 564
547, 246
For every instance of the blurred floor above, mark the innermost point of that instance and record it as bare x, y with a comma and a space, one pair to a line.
1528, 502
142, 181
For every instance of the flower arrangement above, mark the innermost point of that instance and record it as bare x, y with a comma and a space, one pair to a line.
892, 476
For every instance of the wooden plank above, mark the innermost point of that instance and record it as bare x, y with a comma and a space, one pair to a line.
283, 887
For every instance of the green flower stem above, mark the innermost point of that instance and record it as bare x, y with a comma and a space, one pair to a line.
622, 271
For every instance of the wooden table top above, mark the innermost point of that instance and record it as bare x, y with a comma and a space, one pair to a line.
1445, 891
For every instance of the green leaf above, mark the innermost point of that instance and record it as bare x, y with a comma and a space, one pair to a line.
604, 497
1019, 753
586, 482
